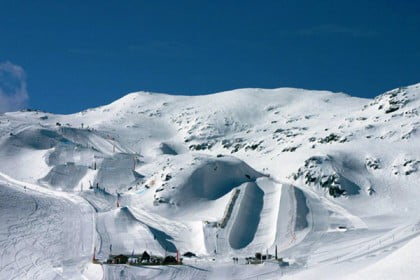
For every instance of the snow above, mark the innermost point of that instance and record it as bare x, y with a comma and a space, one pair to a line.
43, 236
93, 272
329, 180
402, 264
248, 217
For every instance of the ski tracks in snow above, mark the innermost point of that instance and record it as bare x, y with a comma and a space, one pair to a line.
41, 236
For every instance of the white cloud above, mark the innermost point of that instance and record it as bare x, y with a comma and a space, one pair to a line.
13, 93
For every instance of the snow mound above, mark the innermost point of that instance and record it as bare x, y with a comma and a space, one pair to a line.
120, 231
65, 176
202, 180
35, 138
117, 172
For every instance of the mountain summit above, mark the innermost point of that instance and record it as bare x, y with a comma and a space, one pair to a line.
327, 182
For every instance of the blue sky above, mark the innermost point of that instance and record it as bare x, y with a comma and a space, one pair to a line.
81, 54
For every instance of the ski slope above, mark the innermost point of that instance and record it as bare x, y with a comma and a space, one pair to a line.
43, 236
329, 180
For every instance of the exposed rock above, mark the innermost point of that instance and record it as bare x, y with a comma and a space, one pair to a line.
319, 172
372, 163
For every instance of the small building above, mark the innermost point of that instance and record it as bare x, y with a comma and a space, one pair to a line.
170, 260
120, 259
145, 257
156, 260
133, 260
283, 262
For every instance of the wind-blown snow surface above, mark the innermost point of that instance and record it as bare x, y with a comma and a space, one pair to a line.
331, 180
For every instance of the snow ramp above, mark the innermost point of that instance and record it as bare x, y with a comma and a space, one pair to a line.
248, 217
122, 233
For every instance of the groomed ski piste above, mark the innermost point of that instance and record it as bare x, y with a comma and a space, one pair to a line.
328, 181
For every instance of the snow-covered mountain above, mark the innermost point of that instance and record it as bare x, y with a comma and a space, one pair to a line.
328, 180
